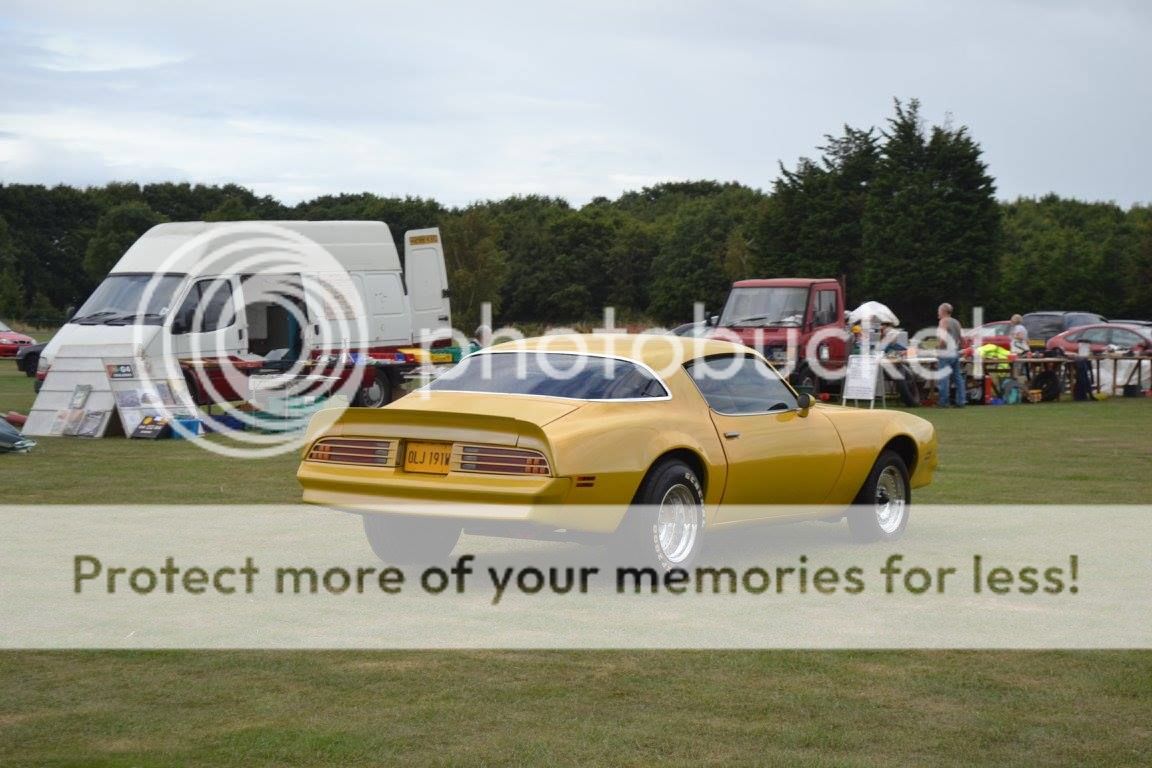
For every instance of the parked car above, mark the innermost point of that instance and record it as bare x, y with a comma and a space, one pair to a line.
11, 342
1044, 325
991, 333
28, 361
1100, 336
515, 437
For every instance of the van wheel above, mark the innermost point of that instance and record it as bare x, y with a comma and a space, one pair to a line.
665, 528
407, 541
880, 512
376, 395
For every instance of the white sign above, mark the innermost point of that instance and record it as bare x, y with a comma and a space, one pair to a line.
863, 377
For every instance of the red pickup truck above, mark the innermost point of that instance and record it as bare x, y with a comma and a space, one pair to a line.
796, 322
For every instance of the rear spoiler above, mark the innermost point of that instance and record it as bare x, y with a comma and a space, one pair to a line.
415, 424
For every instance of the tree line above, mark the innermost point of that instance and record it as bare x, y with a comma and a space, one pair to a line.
905, 214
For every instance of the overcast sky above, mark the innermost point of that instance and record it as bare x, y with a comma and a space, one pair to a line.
465, 101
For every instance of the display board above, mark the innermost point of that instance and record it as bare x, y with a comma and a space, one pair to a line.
87, 385
142, 400
863, 381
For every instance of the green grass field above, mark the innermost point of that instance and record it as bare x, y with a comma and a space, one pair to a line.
590, 708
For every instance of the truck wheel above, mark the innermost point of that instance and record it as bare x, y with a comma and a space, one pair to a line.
880, 512
376, 395
410, 541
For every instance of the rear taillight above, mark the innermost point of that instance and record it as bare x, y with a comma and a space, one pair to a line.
501, 461
344, 450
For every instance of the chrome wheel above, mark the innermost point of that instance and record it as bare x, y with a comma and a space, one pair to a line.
891, 498
678, 523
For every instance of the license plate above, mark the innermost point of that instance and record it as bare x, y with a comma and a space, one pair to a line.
433, 458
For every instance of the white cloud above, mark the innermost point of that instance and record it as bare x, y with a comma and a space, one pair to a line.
66, 53
465, 101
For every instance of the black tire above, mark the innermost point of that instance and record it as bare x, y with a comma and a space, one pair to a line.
665, 527
410, 541
376, 396
881, 509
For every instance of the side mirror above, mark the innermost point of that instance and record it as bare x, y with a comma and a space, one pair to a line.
713, 321
180, 325
804, 401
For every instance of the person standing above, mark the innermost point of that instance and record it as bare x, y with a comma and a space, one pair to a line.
1018, 336
1018, 345
951, 372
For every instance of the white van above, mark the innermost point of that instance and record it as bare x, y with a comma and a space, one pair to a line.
198, 290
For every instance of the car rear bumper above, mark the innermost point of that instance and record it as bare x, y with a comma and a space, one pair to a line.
536, 501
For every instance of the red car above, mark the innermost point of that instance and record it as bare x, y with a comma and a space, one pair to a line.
11, 342
1100, 336
994, 333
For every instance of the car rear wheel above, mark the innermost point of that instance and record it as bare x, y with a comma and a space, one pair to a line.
880, 512
665, 528
407, 541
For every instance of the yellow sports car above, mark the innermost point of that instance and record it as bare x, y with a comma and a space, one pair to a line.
654, 440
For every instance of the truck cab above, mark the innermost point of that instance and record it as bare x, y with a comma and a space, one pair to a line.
780, 317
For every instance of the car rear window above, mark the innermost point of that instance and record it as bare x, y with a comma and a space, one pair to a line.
552, 374
1043, 326
1073, 319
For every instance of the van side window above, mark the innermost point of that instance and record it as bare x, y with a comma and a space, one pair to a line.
825, 308
208, 306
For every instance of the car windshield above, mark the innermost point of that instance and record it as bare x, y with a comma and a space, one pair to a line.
551, 374
4, 328
130, 299
764, 306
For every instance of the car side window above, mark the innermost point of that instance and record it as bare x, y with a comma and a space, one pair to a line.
1126, 339
739, 385
1094, 336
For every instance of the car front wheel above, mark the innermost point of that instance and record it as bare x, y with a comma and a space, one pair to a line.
880, 512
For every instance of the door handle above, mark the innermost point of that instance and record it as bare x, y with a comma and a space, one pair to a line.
731, 435
443, 318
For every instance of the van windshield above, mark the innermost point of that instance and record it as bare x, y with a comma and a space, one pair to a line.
764, 306
130, 299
